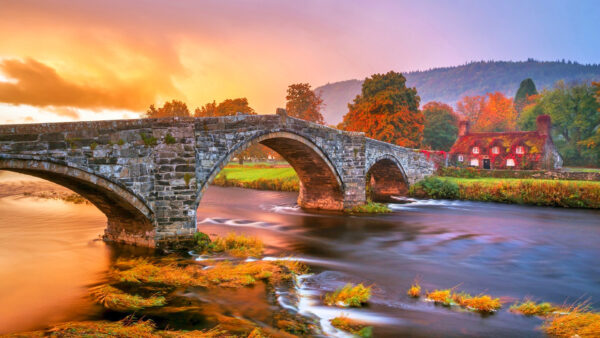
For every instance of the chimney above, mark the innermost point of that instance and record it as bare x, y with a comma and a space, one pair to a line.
463, 128
544, 125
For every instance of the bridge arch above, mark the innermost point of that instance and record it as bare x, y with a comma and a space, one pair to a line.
130, 220
386, 178
321, 186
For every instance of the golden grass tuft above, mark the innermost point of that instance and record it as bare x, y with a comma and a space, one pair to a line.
355, 327
224, 274
481, 303
104, 329
115, 299
578, 322
530, 308
238, 245
414, 291
349, 295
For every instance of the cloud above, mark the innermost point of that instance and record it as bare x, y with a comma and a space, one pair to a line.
37, 84
65, 112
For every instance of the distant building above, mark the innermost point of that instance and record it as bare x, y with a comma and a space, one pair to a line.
507, 150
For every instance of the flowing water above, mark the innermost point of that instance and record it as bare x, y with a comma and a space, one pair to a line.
50, 255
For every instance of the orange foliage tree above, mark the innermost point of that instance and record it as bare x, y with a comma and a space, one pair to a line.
304, 103
387, 110
169, 109
493, 112
225, 108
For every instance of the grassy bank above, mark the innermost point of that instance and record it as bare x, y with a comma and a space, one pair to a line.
261, 176
558, 193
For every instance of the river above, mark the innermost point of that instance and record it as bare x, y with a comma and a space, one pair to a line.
50, 254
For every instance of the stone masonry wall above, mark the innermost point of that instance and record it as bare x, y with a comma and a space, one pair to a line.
165, 164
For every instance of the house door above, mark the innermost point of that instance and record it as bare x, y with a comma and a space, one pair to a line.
486, 163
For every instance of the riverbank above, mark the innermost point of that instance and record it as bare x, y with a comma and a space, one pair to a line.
261, 176
556, 193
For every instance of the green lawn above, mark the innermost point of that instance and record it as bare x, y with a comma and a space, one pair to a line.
584, 170
493, 180
247, 173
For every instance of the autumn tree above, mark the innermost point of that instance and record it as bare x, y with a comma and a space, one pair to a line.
304, 103
387, 110
492, 112
441, 126
575, 121
225, 108
169, 109
526, 91
470, 107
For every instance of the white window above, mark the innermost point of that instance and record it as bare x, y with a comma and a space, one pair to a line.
520, 150
475, 162
475, 150
510, 162
460, 158
496, 150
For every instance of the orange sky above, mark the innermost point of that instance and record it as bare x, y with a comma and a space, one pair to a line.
66, 60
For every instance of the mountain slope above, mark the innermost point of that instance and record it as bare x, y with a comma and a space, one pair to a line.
477, 78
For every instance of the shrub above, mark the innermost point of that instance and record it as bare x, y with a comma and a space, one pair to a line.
202, 241
369, 208
169, 139
149, 141
349, 295
353, 326
120, 142
435, 187
93, 146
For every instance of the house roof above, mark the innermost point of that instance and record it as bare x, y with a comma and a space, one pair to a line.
533, 141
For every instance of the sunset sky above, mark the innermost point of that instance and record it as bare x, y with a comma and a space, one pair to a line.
83, 60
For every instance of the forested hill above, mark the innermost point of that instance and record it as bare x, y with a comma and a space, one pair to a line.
476, 78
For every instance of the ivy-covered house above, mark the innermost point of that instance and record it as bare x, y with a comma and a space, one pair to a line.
507, 150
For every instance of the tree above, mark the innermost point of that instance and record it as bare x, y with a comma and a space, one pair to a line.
471, 107
441, 126
303, 103
498, 114
492, 112
526, 90
387, 110
169, 109
225, 108
575, 121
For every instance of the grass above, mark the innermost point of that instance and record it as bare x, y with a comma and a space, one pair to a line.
481, 303
579, 321
240, 246
559, 193
115, 299
223, 274
414, 291
349, 295
352, 326
261, 176
369, 208
582, 170
531, 308
126, 328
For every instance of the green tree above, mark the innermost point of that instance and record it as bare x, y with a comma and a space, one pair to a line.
526, 90
387, 110
169, 109
304, 103
575, 121
441, 126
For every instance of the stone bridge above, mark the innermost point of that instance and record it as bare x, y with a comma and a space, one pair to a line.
148, 175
